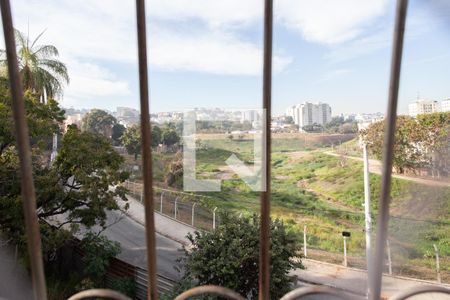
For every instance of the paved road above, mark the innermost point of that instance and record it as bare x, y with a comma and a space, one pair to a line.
131, 236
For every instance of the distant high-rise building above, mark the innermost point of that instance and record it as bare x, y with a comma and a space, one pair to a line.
423, 106
250, 116
445, 105
309, 113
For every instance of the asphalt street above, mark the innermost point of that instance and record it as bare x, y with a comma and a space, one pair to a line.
131, 236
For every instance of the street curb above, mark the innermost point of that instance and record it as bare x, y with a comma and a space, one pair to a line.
384, 274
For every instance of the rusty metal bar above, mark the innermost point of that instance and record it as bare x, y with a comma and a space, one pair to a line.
418, 290
102, 293
264, 256
146, 150
23, 145
212, 290
388, 151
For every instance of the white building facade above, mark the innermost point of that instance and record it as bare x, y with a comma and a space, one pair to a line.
423, 106
309, 113
445, 105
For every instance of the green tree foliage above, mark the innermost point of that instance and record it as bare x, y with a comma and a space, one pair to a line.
230, 254
420, 142
131, 140
84, 171
169, 137
341, 125
117, 131
98, 121
98, 251
174, 171
41, 73
313, 128
156, 136
435, 137
77, 184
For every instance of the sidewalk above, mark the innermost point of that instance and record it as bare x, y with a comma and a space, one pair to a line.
347, 279
164, 225
355, 280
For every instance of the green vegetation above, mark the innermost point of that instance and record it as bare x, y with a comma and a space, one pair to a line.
420, 142
74, 189
41, 73
99, 122
325, 192
231, 252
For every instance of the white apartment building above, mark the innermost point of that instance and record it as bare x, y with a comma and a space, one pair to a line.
309, 113
423, 106
445, 105
250, 115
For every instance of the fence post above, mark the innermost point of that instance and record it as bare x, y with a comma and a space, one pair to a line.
438, 268
388, 246
134, 188
304, 242
193, 213
175, 208
214, 218
345, 251
142, 194
161, 205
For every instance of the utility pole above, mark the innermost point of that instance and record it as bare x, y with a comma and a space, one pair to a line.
368, 218
193, 214
388, 247
175, 207
214, 218
438, 269
304, 241
345, 251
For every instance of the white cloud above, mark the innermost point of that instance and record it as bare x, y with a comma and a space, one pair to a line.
105, 30
213, 52
214, 13
89, 80
329, 21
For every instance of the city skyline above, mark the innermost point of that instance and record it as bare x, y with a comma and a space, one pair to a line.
201, 53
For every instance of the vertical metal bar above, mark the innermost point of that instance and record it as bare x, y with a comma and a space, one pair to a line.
23, 144
146, 150
388, 151
264, 256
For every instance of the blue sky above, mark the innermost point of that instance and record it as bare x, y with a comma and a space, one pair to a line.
205, 53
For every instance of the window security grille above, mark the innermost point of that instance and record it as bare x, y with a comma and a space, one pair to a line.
28, 192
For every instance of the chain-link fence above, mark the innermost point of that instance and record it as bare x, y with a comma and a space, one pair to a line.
401, 256
186, 208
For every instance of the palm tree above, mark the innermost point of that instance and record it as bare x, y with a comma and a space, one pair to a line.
41, 72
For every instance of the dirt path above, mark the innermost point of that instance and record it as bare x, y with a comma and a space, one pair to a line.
375, 166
